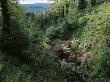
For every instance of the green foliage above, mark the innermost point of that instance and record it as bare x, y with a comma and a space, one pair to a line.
63, 31
15, 41
27, 57
52, 32
96, 31
91, 26
61, 8
72, 16
17, 74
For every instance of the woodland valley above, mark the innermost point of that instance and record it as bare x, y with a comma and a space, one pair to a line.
64, 41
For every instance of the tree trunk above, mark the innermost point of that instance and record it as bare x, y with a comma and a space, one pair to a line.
5, 15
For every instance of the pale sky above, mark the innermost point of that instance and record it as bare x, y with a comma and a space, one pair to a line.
33, 1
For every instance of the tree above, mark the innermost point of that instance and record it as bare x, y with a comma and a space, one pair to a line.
5, 14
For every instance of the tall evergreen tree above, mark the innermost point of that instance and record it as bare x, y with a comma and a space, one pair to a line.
5, 14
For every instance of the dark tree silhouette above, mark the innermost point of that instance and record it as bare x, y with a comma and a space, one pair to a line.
93, 2
5, 15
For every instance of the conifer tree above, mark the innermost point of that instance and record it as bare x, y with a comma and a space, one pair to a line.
5, 14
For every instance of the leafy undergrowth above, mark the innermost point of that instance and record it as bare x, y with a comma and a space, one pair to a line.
93, 28
96, 31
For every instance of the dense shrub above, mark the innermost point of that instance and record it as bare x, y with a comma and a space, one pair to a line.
62, 30
52, 32
29, 43
15, 41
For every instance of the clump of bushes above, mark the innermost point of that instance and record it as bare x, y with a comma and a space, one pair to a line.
63, 31
15, 41
52, 32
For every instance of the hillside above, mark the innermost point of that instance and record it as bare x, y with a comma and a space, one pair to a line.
94, 29
90, 27
38, 7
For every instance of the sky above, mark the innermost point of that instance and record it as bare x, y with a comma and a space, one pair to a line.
33, 1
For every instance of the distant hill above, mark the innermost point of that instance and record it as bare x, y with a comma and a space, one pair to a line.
38, 7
